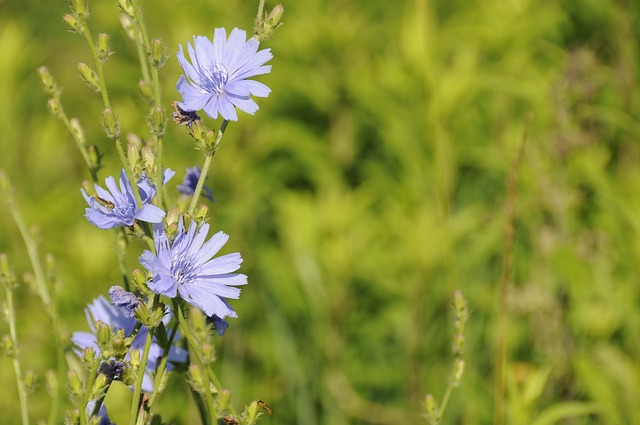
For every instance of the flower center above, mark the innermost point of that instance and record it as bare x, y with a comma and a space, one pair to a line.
214, 77
183, 269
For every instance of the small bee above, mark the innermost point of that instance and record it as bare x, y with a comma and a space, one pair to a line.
182, 117
107, 204
265, 407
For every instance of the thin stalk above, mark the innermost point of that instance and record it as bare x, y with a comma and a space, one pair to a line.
137, 389
507, 277
81, 147
87, 391
163, 364
260, 9
22, 390
205, 167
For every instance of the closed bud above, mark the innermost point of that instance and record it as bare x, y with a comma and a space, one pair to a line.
48, 82
73, 23
76, 130
135, 358
195, 378
208, 353
30, 380
146, 90
72, 417
157, 121
252, 412
88, 356
99, 386
89, 76
102, 47
30, 281
223, 400
104, 335
148, 158
140, 282
158, 53
7, 277
95, 157
273, 19
55, 107
8, 346
458, 370
133, 154
51, 382
458, 344
111, 124
173, 216
431, 409
80, 8
120, 344
265, 26
201, 213
127, 8
75, 385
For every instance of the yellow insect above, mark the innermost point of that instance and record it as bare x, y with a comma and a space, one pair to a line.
265, 407
107, 204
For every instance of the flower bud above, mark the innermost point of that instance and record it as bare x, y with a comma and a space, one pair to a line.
104, 335
99, 386
252, 412
55, 107
148, 158
223, 400
95, 158
8, 346
201, 213
75, 385
119, 344
195, 378
111, 124
135, 358
458, 370
430, 409
265, 27
47, 80
273, 19
102, 47
73, 23
30, 380
80, 8
158, 53
146, 90
127, 8
51, 382
89, 76
133, 154
173, 216
7, 277
76, 130
156, 121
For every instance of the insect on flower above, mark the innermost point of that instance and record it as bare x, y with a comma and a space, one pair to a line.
182, 117
107, 204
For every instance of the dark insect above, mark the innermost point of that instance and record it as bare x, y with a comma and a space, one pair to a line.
107, 204
183, 117
230, 420
265, 407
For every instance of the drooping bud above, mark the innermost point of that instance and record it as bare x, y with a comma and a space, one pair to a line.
102, 47
158, 53
89, 76
111, 124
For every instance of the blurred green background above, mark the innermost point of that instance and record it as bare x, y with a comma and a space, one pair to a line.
370, 185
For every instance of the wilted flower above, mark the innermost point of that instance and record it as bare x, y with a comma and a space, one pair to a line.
185, 266
220, 325
117, 206
101, 310
125, 301
190, 181
216, 78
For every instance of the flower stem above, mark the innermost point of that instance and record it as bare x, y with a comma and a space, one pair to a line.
22, 391
205, 167
163, 364
260, 9
87, 391
137, 390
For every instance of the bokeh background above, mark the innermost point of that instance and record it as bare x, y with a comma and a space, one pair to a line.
370, 185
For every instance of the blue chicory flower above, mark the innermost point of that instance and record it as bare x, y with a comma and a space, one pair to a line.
117, 207
216, 78
220, 325
185, 266
101, 310
190, 181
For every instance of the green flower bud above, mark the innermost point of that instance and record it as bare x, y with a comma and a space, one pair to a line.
30, 380
99, 386
173, 216
146, 90
158, 53
223, 400
76, 130
458, 370
89, 76
201, 213
73, 23
148, 159
252, 412
127, 8
431, 409
104, 335
8, 346
195, 378
156, 121
95, 157
140, 282
102, 48
135, 359
133, 154
7, 277
265, 27
48, 82
80, 8
55, 107
75, 385
273, 19
111, 124
51, 382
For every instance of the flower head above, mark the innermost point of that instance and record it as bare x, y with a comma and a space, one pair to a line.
190, 181
216, 78
125, 301
186, 266
101, 310
117, 207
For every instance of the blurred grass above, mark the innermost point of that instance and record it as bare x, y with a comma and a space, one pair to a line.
370, 186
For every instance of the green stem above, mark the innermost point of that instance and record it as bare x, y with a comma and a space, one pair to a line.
205, 167
137, 390
163, 364
87, 391
160, 166
98, 64
127, 169
260, 9
22, 391
80, 146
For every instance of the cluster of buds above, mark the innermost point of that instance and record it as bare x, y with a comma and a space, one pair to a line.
265, 26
